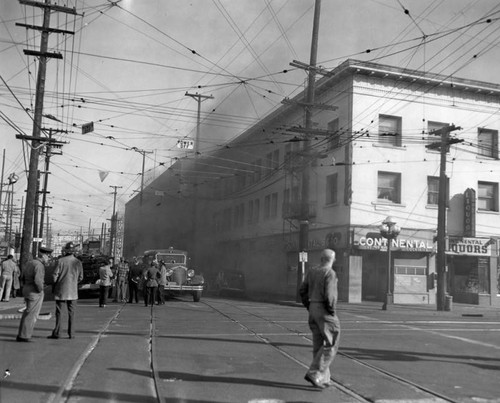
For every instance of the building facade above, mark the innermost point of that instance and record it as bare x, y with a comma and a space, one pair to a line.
371, 154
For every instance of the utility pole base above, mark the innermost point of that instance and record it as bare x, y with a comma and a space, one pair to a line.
388, 303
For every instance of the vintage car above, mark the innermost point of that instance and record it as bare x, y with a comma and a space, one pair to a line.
180, 279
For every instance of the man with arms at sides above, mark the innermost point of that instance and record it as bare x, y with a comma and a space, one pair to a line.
68, 273
32, 279
318, 293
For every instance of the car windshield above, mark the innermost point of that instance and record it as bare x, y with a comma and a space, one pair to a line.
172, 258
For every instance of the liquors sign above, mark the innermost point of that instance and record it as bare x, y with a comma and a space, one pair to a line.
469, 246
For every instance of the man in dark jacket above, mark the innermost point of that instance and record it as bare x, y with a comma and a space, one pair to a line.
68, 273
32, 279
319, 295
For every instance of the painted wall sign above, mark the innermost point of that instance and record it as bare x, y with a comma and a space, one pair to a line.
468, 246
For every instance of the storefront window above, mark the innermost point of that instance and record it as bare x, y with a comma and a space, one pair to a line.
471, 275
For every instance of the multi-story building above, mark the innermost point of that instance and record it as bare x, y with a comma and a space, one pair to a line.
371, 154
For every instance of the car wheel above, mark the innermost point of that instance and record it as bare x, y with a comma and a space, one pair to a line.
197, 296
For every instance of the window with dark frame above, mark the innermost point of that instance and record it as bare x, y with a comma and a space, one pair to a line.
389, 130
487, 140
331, 188
389, 186
487, 196
334, 135
433, 190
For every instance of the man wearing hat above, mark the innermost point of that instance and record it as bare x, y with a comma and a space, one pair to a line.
68, 273
32, 278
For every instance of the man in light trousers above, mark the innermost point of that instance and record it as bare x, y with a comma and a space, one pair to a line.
318, 293
32, 279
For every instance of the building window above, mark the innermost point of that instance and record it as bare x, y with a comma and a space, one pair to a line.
226, 220
433, 190
331, 189
333, 134
256, 210
487, 196
267, 206
389, 187
274, 205
389, 130
487, 140
250, 212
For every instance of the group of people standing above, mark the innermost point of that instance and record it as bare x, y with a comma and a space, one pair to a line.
9, 279
132, 280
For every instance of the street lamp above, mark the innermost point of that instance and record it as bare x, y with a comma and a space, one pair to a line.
389, 230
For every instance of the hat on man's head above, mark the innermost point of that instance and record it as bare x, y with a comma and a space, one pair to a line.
69, 248
44, 249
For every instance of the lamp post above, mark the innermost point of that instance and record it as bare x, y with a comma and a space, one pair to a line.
389, 230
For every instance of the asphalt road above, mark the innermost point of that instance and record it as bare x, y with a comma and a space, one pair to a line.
234, 350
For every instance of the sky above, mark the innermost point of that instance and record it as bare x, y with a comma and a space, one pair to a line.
130, 64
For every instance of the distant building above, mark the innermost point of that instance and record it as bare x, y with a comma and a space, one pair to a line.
368, 160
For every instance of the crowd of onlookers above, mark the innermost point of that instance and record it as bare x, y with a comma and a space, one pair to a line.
126, 281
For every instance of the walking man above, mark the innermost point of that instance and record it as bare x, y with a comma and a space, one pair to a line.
68, 273
318, 293
32, 279
8, 269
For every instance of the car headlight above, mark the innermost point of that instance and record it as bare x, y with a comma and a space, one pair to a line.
169, 272
190, 273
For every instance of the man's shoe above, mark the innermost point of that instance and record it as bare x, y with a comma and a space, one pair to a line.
22, 339
328, 383
52, 337
70, 336
314, 382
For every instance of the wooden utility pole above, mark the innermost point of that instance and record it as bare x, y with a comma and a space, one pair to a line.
49, 151
443, 146
43, 55
112, 235
143, 152
199, 99
304, 208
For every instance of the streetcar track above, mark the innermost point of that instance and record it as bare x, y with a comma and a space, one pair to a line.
64, 392
344, 388
335, 384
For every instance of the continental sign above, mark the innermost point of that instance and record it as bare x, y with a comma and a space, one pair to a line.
403, 244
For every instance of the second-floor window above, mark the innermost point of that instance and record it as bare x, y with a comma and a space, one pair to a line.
487, 196
389, 130
334, 135
331, 189
487, 140
389, 186
433, 190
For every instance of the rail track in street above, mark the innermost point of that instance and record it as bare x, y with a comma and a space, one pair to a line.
272, 327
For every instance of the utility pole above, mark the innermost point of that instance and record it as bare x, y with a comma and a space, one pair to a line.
48, 153
43, 55
199, 99
304, 208
112, 234
441, 268
143, 152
